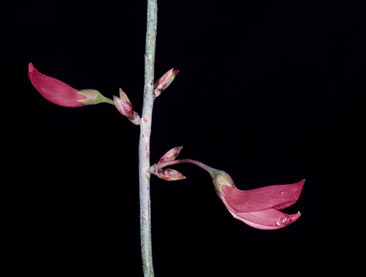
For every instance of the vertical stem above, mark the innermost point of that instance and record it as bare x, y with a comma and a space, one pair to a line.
144, 144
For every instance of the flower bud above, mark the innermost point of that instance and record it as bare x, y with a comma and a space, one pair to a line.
171, 155
165, 81
124, 106
167, 174
61, 93
171, 175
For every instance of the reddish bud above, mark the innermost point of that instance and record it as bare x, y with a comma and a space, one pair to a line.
61, 93
170, 155
166, 174
259, 208
124, 106
165, 81
170, 175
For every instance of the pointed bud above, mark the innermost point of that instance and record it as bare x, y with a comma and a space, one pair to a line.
165, 81
166, 174
171, 155
171, 175
61, 93
124, 106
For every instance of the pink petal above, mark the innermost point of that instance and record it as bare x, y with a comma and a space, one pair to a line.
54, 90
277, 197
269, 219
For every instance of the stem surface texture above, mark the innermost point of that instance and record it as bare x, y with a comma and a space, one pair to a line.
144, 143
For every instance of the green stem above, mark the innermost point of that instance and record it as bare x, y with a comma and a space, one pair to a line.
108, 101
144, 144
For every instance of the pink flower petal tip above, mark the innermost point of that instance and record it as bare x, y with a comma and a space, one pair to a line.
54, 90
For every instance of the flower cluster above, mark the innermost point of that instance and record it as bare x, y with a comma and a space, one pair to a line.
259, 208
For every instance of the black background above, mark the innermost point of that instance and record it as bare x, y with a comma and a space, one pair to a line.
269, 92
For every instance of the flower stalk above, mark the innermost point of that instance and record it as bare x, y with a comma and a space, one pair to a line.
144, 143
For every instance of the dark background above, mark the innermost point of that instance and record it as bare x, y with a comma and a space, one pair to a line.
269, 92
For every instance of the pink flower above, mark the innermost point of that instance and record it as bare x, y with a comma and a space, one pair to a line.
259, 208
62, 94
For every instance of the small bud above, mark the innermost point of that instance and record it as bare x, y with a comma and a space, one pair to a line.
124, 106
171, 175
61, 93
166, 174
165, 81
171, 155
